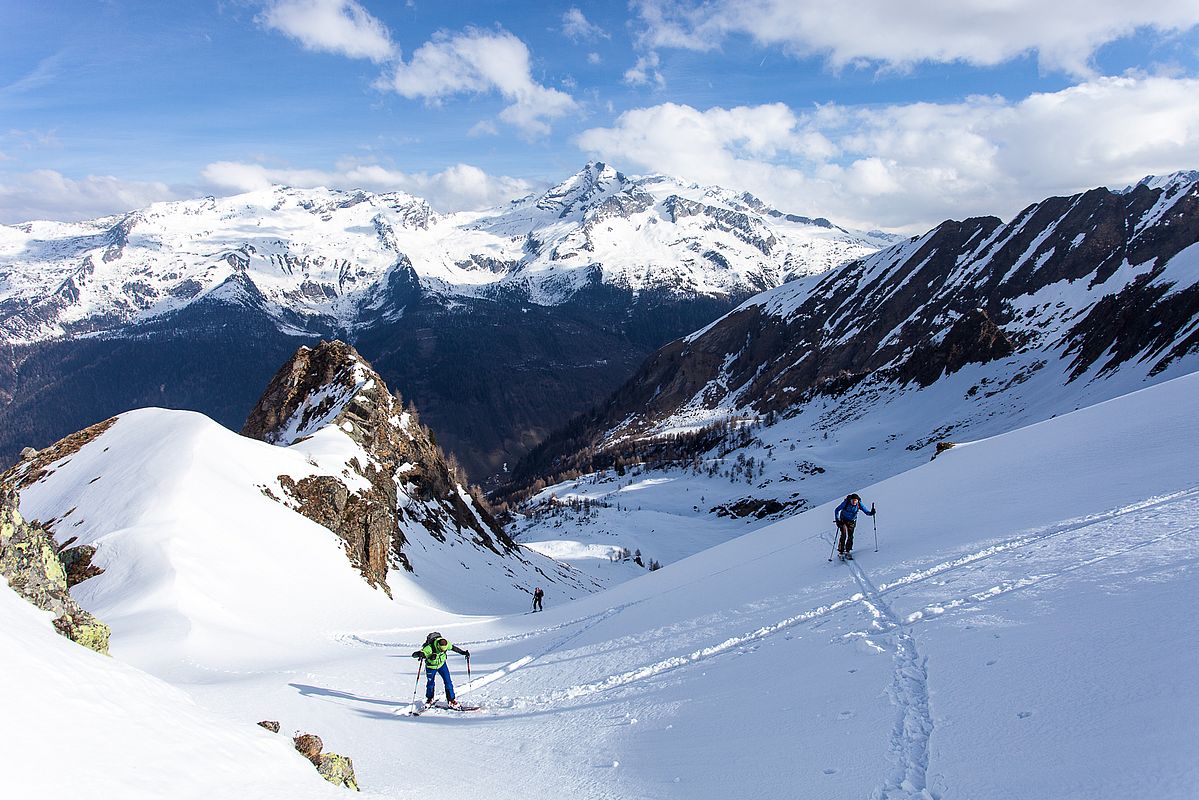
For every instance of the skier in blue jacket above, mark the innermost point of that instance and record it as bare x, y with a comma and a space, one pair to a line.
846, 517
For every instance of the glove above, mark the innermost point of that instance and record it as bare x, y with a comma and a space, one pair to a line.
872, 508
418, 654
466, 653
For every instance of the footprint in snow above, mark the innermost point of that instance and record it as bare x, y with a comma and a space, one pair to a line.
1024, 714
845, 714
830, 772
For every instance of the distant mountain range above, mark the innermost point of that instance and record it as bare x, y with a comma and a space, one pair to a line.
503, 324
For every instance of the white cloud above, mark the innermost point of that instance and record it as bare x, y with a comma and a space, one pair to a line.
594, 58
645, 71
476, 62
910, 166
457, 188
47, 194
1064, 33
332, 26
576, 26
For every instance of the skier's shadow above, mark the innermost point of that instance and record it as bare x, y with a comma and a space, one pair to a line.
321, 691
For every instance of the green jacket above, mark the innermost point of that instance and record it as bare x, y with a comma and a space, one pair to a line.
435, 656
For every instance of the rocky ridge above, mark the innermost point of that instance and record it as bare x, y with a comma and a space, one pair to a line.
396, 486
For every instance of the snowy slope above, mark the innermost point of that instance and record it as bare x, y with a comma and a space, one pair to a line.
204, 569
318, 260
1023, 631
77, 723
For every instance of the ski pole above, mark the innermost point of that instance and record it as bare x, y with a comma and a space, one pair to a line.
834, 547
874, 517
468, 678
416, 688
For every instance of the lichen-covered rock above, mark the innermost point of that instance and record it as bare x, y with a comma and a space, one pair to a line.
337, 770
82, 628
29, 562
270, 724
309, 745
28, 453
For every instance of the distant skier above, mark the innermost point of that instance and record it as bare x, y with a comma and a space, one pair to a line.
537, 596
846, 517
435, 653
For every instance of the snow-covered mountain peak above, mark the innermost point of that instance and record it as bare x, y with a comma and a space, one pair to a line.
1171, 182
596, 179
323, 261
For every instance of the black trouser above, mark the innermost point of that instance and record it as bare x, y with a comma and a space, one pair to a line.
846, 526
536, 603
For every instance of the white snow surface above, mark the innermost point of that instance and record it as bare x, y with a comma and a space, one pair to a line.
78, 724
1022, 632
324, 257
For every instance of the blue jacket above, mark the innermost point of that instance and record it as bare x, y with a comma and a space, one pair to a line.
849, 512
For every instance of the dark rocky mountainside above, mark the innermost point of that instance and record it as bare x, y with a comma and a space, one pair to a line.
1077, 297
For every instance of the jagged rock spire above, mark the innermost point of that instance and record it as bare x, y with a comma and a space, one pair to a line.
412, 488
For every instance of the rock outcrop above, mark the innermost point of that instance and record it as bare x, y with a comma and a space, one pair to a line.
30, 563
400, 484
337, 769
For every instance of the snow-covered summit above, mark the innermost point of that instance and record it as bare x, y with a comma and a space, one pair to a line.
321, 261
1172, 181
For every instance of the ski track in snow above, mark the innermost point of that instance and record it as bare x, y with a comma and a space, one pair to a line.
909, 690
910, 737
909, 693
966, 582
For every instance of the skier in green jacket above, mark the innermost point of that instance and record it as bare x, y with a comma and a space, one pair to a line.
435, 653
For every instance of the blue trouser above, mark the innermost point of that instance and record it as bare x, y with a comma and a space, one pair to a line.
444, 672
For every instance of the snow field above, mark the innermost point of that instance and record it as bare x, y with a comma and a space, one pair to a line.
76, 723
757, 666
1022, 632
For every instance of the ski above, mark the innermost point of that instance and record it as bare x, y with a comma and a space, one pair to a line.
443, 706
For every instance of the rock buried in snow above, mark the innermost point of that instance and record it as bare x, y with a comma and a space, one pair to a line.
943, 446
309, 745
338, 770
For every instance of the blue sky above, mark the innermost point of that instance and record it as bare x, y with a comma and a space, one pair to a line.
825, 107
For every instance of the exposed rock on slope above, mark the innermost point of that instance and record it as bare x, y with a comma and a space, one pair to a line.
30, 563
397, 486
